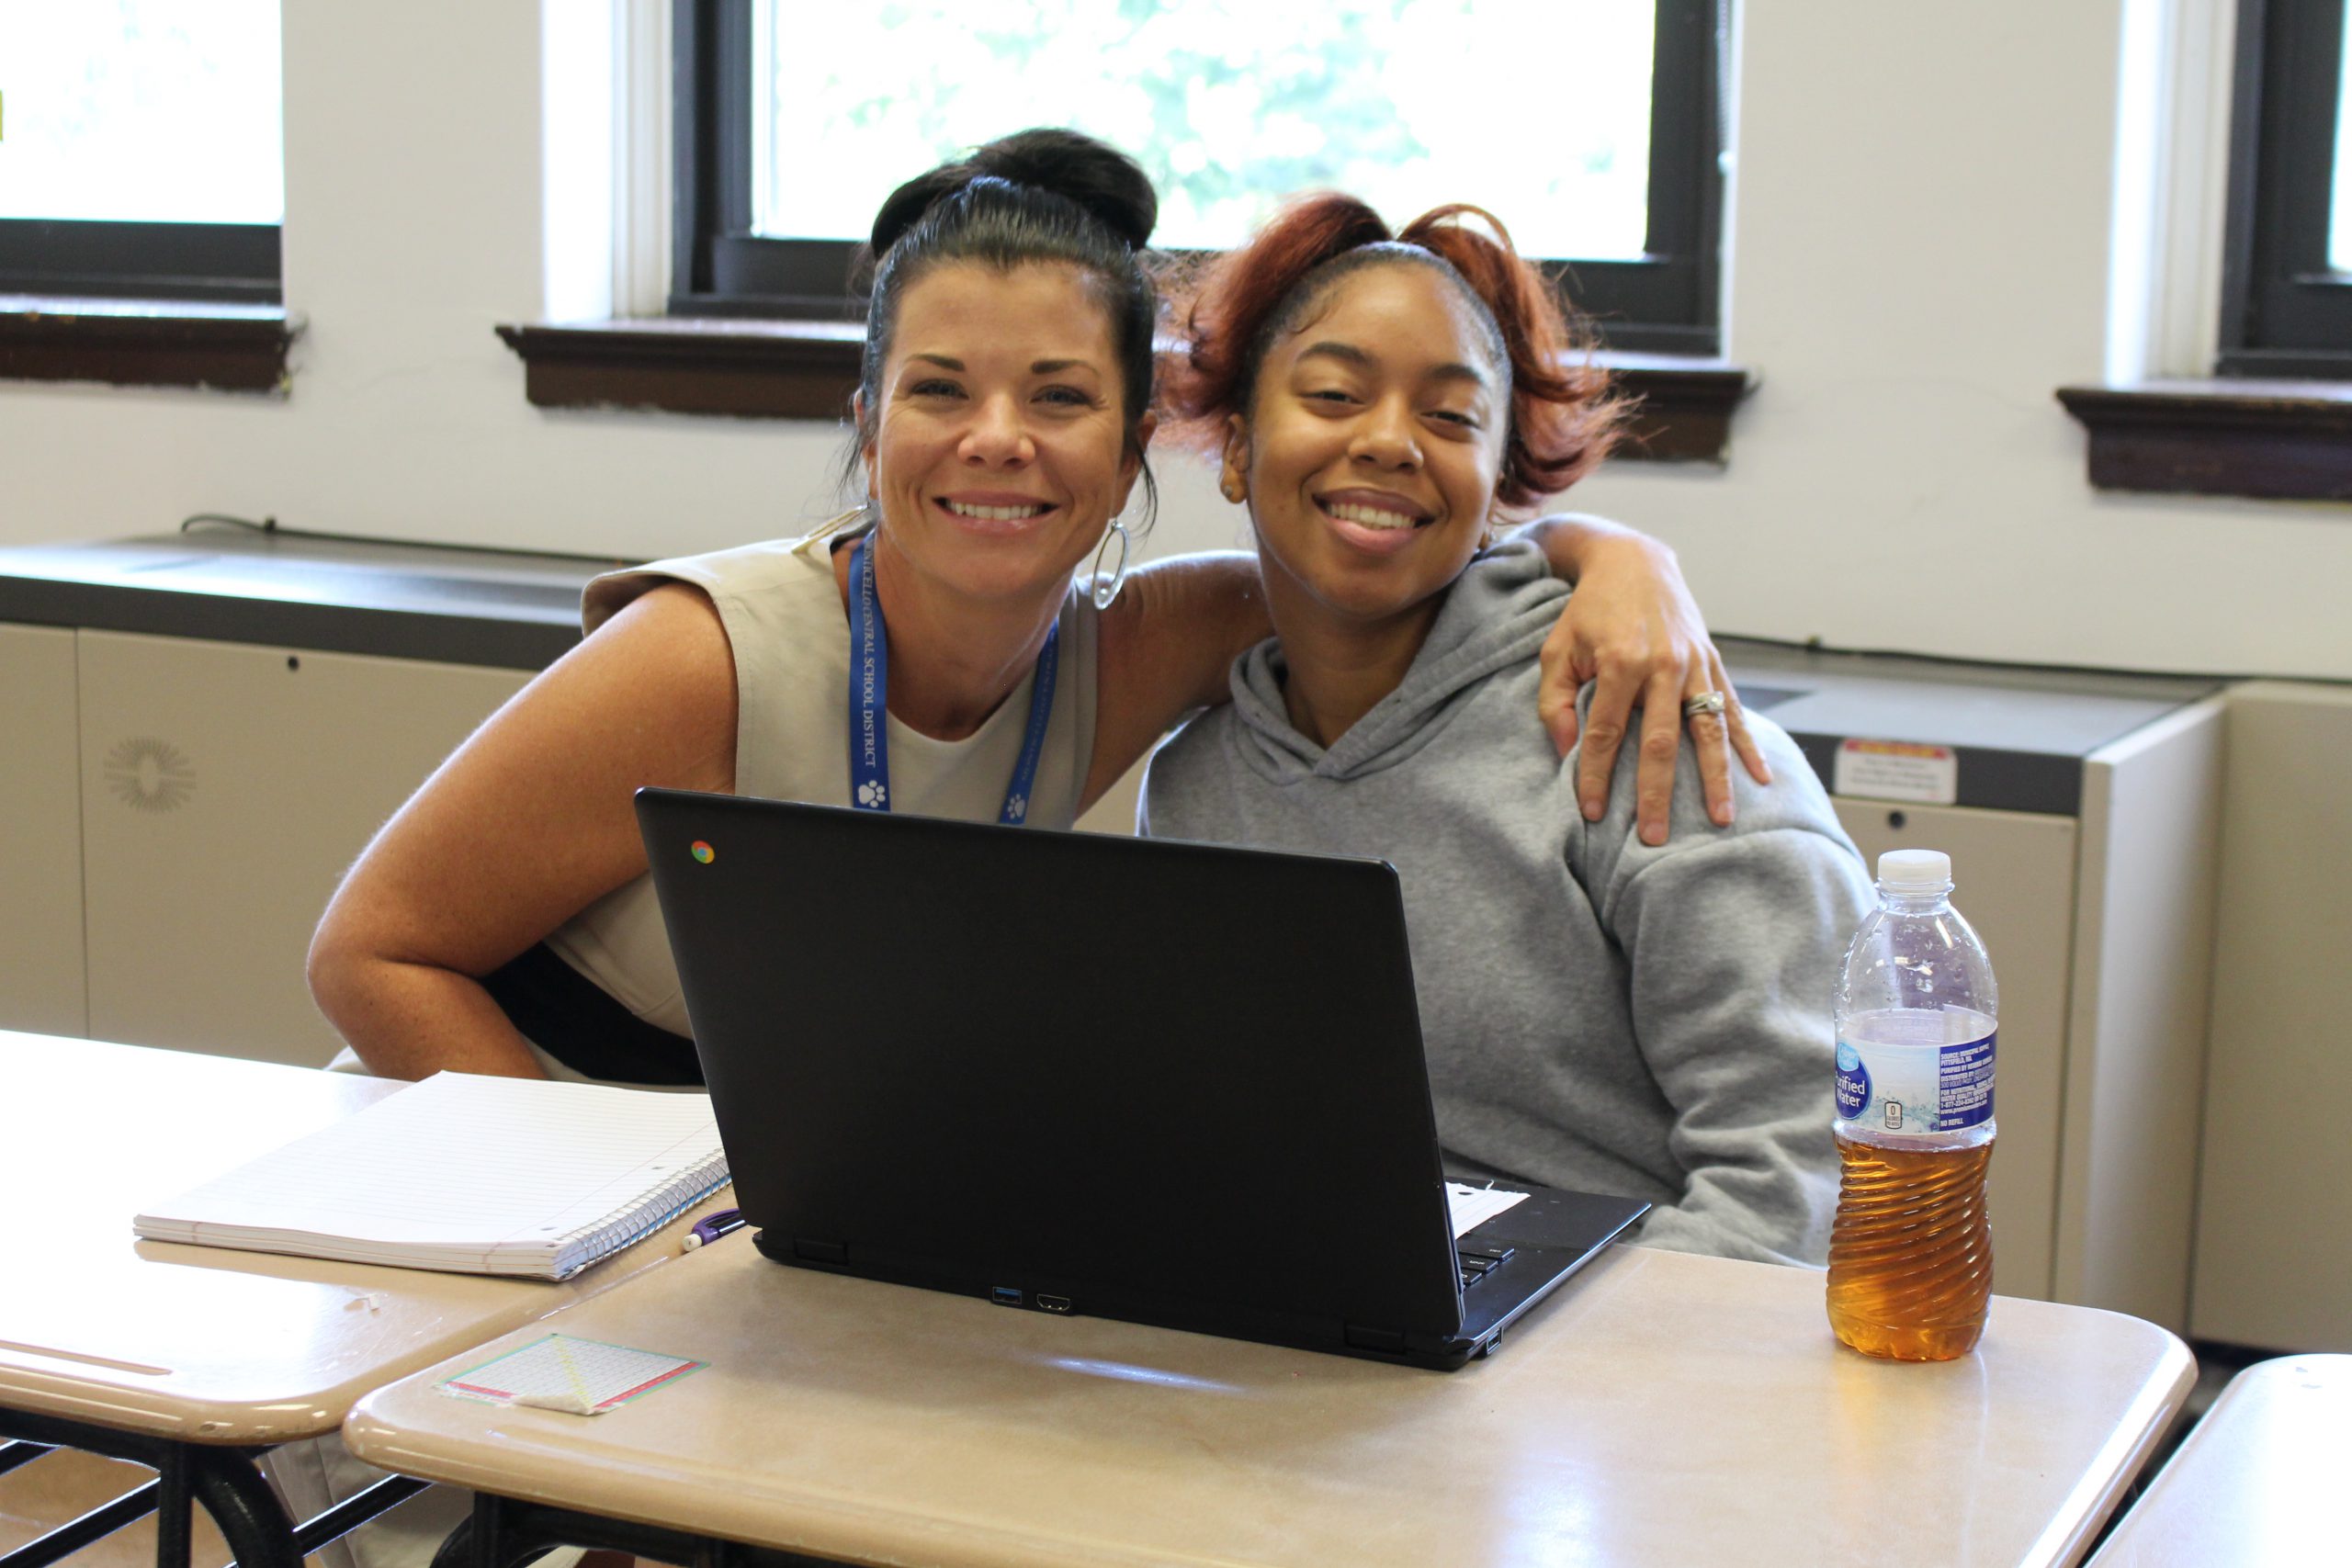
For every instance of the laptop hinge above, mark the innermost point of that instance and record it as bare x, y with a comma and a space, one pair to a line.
820, 1251
1389, 1339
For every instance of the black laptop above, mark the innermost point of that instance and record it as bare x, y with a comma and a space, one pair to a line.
1175, 1083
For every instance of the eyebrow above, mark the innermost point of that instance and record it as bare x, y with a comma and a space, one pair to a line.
1040, 367
1348, 352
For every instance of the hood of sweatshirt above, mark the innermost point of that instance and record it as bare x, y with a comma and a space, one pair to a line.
1497, 614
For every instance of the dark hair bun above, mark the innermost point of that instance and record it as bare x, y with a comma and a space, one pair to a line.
1110, 186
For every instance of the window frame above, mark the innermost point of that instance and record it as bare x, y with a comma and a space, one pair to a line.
234, 263
1666, 301
2284, 313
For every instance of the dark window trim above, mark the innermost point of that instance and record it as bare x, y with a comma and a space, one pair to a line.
1665, 302
237, 348
2275, 422
782, 369
220, 263
2263, 440
2284, 313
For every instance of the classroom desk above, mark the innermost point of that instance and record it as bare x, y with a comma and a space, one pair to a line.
189, 1358
1659, 1409
2258, 1480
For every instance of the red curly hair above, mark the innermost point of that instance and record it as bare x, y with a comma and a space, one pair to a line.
1563, 416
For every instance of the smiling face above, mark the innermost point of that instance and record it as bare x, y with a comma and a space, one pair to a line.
1000, 449
1372, 446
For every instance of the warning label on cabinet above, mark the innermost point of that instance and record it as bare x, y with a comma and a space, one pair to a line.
1897, 770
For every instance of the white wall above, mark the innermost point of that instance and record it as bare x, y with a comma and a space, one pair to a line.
1919, 259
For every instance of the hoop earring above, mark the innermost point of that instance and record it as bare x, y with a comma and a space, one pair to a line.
1104, 597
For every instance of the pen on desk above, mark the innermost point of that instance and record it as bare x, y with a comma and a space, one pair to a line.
706, 1231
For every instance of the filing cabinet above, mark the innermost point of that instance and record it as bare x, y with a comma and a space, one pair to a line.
2082, 813
224, 788
202, 738
41, 986
2274, 1217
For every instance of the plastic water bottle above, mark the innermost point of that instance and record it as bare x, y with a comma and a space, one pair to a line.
1911, 1255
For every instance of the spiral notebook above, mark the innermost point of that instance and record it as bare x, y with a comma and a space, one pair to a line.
467, 1174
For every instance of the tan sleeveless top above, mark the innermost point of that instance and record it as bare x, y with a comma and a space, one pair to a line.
783, 613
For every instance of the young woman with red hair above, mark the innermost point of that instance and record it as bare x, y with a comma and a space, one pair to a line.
1599, 1013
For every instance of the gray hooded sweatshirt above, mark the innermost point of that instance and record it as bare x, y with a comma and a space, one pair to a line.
1597, 1014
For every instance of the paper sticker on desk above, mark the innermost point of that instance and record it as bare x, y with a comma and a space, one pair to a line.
1896, 770
583, 1377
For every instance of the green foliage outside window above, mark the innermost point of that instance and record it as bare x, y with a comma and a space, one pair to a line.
1537, 108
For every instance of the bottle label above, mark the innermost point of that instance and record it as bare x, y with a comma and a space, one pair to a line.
1916, 1089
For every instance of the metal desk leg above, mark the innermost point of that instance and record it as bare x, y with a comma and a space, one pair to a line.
226, 1481
172, 1527
251, 1517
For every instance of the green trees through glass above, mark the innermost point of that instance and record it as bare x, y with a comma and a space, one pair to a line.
1537, 108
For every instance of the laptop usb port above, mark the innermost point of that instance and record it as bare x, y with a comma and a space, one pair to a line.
1054, 1304
1005, 1295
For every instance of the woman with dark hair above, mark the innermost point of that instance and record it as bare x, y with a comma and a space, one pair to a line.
1599, 1012
504, 921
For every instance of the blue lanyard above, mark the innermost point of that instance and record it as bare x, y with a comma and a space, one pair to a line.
869, 722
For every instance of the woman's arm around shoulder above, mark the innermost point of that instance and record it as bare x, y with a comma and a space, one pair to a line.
526, 824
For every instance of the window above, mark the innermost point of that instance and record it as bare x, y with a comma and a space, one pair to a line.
140, 150
2287, 262
793, 119
2285, 300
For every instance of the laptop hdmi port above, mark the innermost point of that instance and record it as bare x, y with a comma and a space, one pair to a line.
1054, 1304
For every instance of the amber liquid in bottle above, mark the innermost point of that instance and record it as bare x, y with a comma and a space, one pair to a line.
1911, 1255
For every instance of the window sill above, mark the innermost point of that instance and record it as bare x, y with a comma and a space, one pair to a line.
145, 342
768, 369
2266, 440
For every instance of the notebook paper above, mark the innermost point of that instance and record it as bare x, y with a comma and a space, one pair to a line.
474, 1175
1473, 1206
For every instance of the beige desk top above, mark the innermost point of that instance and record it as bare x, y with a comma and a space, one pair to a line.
2259, 1481
1661, 1409
200, 1342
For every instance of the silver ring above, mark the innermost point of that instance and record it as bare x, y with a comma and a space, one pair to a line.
1706, 703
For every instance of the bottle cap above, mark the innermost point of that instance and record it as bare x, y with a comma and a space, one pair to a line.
1915, 871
